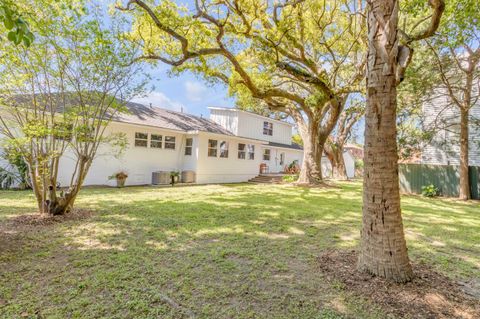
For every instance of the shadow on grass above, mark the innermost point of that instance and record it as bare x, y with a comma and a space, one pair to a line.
220, 250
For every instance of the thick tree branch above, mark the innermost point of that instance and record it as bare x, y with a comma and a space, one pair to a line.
305, 77
437, 6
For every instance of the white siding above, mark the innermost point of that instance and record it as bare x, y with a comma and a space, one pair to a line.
227, 118
349, 164
226, 170
251, 125
190, 161
275, 153
246, 124
444, 147
137, 162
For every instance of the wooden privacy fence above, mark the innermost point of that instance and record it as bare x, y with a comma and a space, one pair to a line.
445, 177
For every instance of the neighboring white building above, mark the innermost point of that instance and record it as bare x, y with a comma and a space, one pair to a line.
229, 147
444, 119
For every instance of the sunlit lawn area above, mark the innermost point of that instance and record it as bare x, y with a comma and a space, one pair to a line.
217, 251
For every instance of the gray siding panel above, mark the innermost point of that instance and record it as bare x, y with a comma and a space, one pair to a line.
444, 148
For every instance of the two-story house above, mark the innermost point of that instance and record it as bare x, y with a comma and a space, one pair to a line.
278, 152
229, 147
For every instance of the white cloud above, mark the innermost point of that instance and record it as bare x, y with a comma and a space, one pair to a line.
194, 91
159, 99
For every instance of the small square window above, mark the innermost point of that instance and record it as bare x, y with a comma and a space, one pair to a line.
155, 141
170, 142
141, 139
212, 148
267, 128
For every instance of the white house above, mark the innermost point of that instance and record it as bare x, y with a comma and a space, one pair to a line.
229, 147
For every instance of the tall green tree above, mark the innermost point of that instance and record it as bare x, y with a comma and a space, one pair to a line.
302, 58
59, 94
334, 147
383, 250
452, 60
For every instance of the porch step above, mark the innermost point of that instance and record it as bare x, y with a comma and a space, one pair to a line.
267, 179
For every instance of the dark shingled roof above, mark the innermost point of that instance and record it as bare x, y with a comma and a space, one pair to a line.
163, 118
294, 146
139, 114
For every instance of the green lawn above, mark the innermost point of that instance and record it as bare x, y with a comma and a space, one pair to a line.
217, 251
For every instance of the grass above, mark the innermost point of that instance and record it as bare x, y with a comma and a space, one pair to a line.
216, 251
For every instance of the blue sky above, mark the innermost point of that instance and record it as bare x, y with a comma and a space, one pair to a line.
186, 91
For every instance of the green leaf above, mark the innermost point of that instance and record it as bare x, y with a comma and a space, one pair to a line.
12, 36
9, 23
18, 37
26, 41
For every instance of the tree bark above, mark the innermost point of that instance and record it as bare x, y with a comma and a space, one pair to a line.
383, 250
464, 178
311, 170
335, 155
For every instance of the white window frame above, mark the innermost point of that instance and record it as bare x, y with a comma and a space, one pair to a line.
250, 151
141, 139
267, 128
188, 147
159, 141
168, 141
267, 153
242, 153
214, 148
223, 152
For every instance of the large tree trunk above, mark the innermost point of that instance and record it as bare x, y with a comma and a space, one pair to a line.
311, 170
50, 200
383, 250
335, 155
60, 204
464, 180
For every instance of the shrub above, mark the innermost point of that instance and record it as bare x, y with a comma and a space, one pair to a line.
119, 175
358, 163
14, 172
289, 178
174, 177
429, 190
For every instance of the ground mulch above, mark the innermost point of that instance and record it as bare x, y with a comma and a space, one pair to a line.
13, 230
36, 219
429, 295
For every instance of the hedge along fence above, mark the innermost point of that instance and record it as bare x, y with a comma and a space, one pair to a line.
445, 177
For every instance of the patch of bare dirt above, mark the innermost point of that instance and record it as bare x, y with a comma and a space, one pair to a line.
13, 229
429, 295
35, 220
